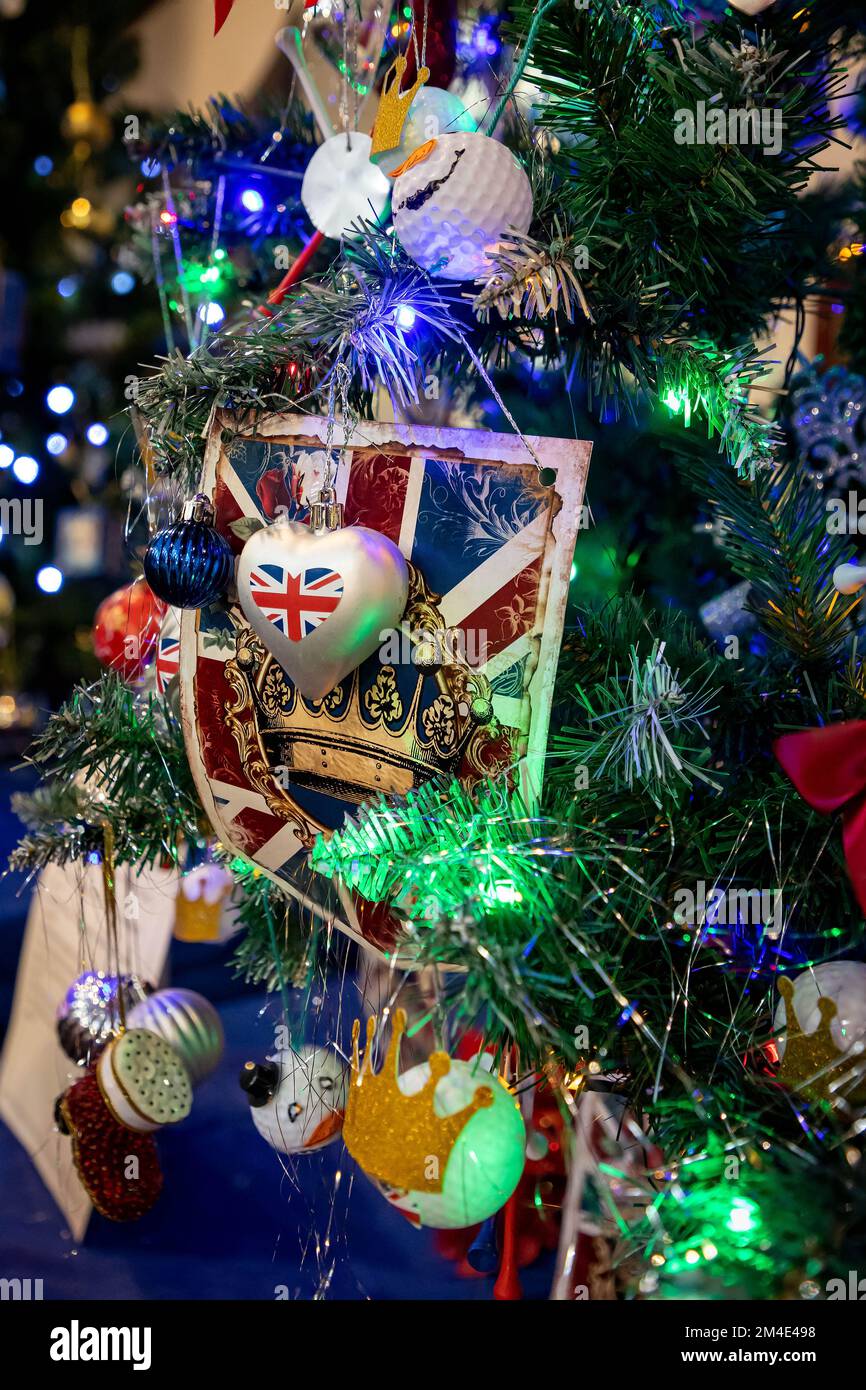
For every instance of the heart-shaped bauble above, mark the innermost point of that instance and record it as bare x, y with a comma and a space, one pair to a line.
321, 601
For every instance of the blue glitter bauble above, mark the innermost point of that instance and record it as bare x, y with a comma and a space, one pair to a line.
188, 565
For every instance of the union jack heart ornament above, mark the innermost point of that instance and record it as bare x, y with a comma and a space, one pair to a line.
321, 597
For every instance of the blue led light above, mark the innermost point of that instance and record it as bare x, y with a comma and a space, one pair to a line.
43, 165
60, 399
26, 469
252, 200
150, 167
97, 435
212, 313
122, 282
49, 579
56, 443
405, 316
67, 286
7, 456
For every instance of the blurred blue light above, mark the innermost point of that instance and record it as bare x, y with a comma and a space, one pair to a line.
406, 316
43, 165
60, 399
252, 200
67, 286
49, 579
212, 313
122, 282
97, 435
150, 167
56, 443
7, 456
26, 469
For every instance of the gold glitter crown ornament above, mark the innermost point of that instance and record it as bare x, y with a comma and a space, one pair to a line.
394, 106
813, 1064
395, 1137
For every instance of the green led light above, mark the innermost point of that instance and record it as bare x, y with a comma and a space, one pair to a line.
677, 401
742, 1216
507, 893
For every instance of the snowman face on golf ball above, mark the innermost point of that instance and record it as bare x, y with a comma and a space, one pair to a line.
486, 1162
452, 207
306, 1110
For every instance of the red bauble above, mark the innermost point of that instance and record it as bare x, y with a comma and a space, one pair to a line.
126, 629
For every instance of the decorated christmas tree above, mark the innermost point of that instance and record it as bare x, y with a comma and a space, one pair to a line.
496, 660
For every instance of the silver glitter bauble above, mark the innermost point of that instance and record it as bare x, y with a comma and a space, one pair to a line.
189, 1023
89, 1015
827, 415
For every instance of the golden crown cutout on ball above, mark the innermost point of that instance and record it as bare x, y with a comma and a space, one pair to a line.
813, 1064
394, 106
393, 1136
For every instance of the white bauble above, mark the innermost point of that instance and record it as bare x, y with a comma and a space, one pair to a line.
433, 113
843, 981
306, 1110
453, 207
341, 185
486, 1163
751, 6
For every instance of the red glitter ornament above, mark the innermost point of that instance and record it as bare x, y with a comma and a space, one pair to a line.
440, 54
118, 1167
126, 629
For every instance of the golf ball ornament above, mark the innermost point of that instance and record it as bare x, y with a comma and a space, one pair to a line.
453, 205
320, 596
445, 1141
304, 1099
434, 112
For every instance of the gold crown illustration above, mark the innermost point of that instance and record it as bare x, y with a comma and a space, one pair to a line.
396, 1137
813, 1064
394, 106
367, 735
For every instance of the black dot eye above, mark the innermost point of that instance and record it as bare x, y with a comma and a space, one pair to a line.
326, 1084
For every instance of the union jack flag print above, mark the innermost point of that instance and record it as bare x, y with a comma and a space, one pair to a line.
492, 553
295, 603
167, 661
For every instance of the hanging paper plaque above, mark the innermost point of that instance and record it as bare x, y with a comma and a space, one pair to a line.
462, 688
